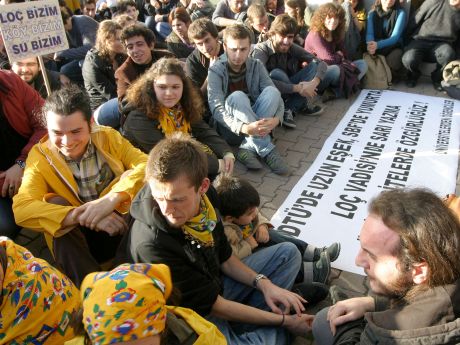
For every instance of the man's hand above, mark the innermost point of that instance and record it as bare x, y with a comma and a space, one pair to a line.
229, 162
252, 242
113, 224
260, 128
12, 180
262, 235
371, 47
298, 325
158, 18
308, 88
91, 213
274, 296
65, 81
349, 310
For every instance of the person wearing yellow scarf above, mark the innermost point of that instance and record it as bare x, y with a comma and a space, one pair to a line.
128, 304
36, 302
164, 101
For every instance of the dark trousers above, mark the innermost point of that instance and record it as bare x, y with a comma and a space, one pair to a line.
8, 226
81, 251
421, 50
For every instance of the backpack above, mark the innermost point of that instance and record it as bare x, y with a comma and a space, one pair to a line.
451, 79
378, 75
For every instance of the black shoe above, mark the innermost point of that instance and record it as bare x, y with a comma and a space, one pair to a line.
288, 120
322, 268
311, 292
437, 86
411, 83
311, 110
333, 250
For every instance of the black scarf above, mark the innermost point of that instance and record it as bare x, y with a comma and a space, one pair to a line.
380, 15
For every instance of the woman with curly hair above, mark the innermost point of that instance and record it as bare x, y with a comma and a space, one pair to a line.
164, 101
384, 32
296, 10
98, 71
325, 40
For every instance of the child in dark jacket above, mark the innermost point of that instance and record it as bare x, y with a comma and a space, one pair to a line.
247, 230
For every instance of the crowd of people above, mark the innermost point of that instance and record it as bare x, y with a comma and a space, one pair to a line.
126, 167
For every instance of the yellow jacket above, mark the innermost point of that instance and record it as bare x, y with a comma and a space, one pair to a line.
47, 172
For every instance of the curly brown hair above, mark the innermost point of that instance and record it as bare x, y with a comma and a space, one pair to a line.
106, 31
142, 95
329, 10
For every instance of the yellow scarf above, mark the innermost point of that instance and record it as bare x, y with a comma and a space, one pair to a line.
247, 230
200, 227
38, 300
173, 120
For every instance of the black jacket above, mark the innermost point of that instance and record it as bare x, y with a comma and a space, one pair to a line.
195, 271
99, 77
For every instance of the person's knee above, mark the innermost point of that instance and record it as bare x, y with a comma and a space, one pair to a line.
321, 328
291, 251
236, 98
445, 54
278, 74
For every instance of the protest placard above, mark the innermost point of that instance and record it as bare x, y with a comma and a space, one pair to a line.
32, 29
386, 140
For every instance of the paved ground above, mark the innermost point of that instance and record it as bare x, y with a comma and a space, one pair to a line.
299, 147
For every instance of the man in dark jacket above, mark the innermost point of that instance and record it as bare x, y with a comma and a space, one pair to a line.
409, 250
20, 129
175, 223
434, 30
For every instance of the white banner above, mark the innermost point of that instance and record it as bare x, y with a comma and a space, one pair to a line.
32, 28
386, 140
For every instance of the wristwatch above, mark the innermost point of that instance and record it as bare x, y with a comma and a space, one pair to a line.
258, 277
21, 163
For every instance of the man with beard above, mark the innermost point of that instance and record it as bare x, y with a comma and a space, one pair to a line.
29, 70
409, 250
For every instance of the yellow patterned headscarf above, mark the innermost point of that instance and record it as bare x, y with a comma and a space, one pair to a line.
125, 304
200, 227
37, 300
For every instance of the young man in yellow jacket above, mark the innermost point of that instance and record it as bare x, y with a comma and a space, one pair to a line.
78, 185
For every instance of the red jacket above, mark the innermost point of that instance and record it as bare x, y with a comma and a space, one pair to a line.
21, 105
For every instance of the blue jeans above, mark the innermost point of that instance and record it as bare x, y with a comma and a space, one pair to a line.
280, 263
267, 104
294, 101
107, 114
8, 226
163, 29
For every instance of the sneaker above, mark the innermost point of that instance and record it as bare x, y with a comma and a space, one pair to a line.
276, 163
313, 293
311, 110
411, 83
333, 250
288, 120
322, 268
249, 159
328, 95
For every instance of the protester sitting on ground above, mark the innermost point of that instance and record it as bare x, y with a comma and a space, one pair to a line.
384, 33
244, 102
36, 300
204, 35
175, 223
325, 40
200, 9
409, 250
81, 35
128, 7
178, 42
98, 73
78, 185
139, 293
229, 12
164, 101
296, 10
274, 7
355, 24
124, 20
247, 230
432, 31
29, 70
295, 72
258, 22
139, 42
158, 11
20, 130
